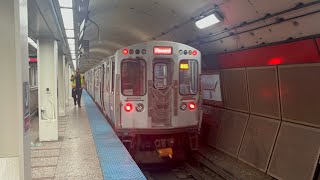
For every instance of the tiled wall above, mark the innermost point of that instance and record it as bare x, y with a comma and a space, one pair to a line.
270, 118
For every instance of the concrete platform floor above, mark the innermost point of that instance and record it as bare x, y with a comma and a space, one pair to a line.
73, 156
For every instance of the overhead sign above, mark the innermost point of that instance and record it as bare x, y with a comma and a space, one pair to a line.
162, 50
211, 89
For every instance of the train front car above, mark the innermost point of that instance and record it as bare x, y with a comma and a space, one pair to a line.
157, 90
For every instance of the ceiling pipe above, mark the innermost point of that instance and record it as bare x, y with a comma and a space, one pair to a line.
244, 24
96, 26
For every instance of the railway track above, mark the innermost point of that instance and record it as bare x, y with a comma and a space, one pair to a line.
198, 167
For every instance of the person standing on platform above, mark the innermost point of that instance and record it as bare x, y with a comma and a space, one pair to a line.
78, 82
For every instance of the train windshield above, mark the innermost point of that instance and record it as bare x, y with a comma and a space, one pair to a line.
188, 77
160, 75
133, 77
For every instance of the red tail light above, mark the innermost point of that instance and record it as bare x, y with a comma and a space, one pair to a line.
192, 106
125, 51
128, 107
194, 52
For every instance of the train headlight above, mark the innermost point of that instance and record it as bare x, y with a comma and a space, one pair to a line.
183, 106
128, 107
139, 107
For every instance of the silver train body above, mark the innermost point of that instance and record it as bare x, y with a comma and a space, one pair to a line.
149, 93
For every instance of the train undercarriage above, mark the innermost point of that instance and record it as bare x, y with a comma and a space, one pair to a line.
160, 145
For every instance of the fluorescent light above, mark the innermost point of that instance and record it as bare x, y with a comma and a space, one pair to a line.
71, 42
207, 21
82, 25
70, 33
65, 3
74, 63
72, 48
32, 43
67, 16
81, 35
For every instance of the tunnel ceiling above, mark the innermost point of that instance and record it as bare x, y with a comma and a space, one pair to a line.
124, 22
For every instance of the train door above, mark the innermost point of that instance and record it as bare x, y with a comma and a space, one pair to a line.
102, 88
112, 90
161, 94
106, 91
97, 86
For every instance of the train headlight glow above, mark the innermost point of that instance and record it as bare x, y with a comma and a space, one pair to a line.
140, 107
128, 107
183, 106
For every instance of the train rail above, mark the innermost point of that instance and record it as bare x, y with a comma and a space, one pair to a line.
198, 167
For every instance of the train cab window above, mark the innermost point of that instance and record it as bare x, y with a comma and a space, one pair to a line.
160, 76
133, 77
188, 77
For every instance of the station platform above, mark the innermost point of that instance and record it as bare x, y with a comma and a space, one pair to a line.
87, 148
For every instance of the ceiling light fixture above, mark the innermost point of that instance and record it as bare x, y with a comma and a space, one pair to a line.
74, 62
32, 43
71, 42
67, 16
72, 48
70, 33
65, 3
208, 20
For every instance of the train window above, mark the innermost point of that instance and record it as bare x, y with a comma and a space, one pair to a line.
133, 77
160, 76
188, 77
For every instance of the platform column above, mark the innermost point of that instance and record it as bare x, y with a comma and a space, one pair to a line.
67, 79
15, 161
47, 89
69, 87
61, 85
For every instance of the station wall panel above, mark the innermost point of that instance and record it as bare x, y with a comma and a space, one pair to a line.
280, 82
300, 97
231, 132
215, 126
263, 91
288, 53
296, 152
318, 44
235, 89
258, 141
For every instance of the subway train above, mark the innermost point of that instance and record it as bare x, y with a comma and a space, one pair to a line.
150, 94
